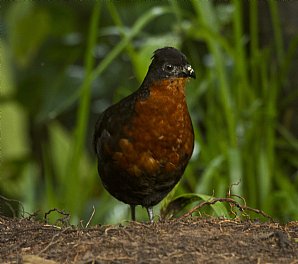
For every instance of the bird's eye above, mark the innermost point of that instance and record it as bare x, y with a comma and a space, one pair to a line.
169, 67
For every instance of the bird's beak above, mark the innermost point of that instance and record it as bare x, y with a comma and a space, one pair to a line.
189, 71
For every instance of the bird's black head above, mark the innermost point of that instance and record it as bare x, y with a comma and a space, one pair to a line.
169, 62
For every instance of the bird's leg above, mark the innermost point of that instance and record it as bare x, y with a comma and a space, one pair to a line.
133, 212
150, 213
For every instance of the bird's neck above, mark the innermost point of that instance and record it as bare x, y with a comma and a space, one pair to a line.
164, 98
174, 87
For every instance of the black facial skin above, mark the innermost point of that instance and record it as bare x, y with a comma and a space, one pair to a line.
178, 71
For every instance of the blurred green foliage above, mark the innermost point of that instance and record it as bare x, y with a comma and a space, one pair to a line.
63, 63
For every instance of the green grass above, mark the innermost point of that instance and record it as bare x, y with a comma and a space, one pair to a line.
236, 99
241, 117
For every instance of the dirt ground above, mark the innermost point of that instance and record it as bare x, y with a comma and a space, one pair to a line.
186, 240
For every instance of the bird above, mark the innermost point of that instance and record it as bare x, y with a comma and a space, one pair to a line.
144, 142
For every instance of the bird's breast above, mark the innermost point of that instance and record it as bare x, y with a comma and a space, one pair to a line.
159, 138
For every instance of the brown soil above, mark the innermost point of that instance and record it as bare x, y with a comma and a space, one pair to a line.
187, 240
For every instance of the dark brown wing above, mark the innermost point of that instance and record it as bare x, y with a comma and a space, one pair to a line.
109, 126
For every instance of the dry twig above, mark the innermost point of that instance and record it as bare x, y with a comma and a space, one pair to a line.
242, 208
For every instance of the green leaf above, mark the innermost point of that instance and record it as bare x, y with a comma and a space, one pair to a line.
177, 205
28, 27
